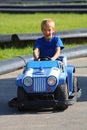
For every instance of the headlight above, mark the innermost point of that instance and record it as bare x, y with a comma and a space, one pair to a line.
51, 81
28, 81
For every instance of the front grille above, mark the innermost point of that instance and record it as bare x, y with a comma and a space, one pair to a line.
39, 84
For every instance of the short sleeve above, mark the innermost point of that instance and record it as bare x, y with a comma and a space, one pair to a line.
37, 44
60, 43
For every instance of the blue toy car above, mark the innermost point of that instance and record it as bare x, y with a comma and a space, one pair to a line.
45, 84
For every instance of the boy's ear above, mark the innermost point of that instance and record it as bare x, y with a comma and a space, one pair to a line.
53, 29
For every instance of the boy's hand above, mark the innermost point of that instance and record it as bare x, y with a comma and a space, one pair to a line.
52, 59
37, 59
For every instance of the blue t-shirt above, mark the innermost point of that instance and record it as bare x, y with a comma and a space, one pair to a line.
47, 48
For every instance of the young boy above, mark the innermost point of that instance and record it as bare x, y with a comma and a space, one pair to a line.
48, 45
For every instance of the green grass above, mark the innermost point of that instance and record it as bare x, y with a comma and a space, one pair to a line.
13, 52
30, 23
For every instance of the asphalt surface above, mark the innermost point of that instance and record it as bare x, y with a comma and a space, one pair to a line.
74, 118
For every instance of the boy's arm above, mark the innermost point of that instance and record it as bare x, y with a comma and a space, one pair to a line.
57, 53
36, 53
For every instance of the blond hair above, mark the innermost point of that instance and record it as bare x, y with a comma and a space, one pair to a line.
47, 22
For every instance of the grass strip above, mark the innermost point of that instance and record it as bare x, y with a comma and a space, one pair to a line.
30, 23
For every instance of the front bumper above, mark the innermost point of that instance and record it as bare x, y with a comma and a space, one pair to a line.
44, 103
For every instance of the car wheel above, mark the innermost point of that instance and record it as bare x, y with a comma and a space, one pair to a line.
61, 94
21, 96
75, 84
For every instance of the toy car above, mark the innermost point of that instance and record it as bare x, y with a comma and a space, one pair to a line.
45, 84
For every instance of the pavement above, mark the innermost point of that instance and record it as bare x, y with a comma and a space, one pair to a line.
73, 118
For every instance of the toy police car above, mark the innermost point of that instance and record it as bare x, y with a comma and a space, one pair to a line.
45, 84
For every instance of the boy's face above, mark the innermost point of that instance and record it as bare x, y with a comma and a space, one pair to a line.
47, 32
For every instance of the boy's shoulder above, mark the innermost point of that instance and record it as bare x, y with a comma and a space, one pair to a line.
55, 38
40, 39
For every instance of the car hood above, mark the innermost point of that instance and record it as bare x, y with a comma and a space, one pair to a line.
42, 72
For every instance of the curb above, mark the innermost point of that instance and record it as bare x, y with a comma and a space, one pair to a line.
18, 62
75, 33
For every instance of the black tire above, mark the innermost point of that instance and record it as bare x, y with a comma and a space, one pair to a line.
75, 84
21, 94
21, 97
61, 94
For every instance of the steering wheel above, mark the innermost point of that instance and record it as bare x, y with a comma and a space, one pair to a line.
45, 58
